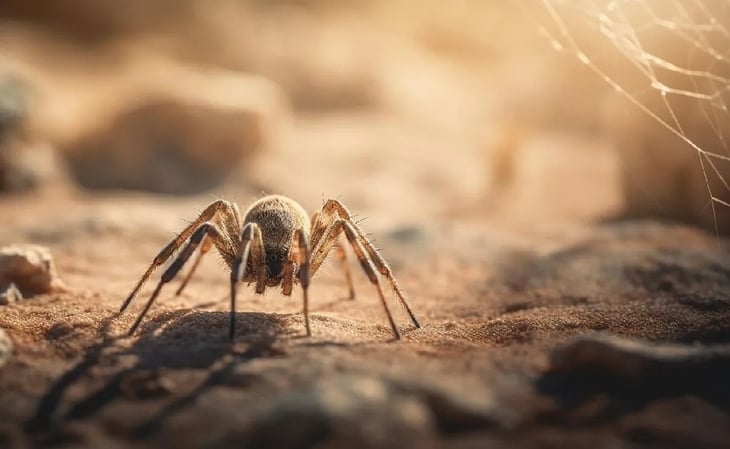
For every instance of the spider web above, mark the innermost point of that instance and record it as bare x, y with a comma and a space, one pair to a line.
670, 59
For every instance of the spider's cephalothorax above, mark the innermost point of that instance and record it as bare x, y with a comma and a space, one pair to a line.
272, 244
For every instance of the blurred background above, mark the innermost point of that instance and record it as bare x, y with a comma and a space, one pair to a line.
520, 112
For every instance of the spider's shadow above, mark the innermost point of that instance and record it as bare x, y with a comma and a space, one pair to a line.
175, 340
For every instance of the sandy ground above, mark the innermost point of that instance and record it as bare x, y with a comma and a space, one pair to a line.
495, 303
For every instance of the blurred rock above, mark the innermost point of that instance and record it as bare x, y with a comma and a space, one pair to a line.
631, 358
13, 105
622, 364
186, 138
13, 111
24, 163
6, 348
93, 21
372, 411
30, 268
360, 411
10, 295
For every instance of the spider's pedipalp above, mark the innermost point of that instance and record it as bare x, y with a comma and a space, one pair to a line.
250, 235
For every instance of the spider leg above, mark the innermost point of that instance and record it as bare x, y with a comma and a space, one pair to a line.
169, 274
328, 240
301, 255
231, 224
321, 246
205, 246
229, 210
251, 234
367, 266
380, 263
342, 255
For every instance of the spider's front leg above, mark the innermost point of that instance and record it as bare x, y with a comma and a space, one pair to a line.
206, 229
318, 230
333, 220
334, 206
231, 218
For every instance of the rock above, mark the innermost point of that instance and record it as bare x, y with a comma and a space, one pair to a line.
359, 410
10, 295
30, 268
25, 163
184, 138
372, 411
644, 369
13, 104
6, 348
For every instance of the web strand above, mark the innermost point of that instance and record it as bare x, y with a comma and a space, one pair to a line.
680, 54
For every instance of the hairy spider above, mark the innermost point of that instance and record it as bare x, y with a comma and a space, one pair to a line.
273, 243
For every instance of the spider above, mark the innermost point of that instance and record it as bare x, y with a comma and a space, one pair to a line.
273, 243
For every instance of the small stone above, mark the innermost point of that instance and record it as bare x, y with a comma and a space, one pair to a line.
30, 268
10, 295
6, 348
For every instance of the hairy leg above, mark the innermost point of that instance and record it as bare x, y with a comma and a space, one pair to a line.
300, 254
342, 255
320, 227
206, 229
230, 226
211, 212
328, 241
380, 263
204, 248
250, 238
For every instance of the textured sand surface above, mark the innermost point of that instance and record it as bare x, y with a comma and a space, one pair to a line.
494, 305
